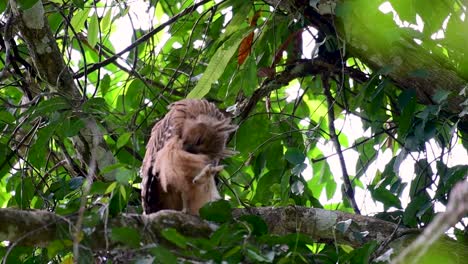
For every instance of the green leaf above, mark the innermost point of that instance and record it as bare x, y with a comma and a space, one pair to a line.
217, 64
78, 20
285, 187
96, 105
123, 139
93, 30
163, 255
106, 21
259, 163
5, 153
386, 197
448, 178
58, 189
36, 154
133, 93
330, 188
249, 76
413, 208
294, 156
219, 211
220, 234
69, 207
257, 256
258, 224
238, 21
118, 201
175, 237
455, 173
367, 154
52, 105
364, 253
126, 235
406, 98
6, 117
24, 193
233, 252
407, 102
79, 3
55, 246
423, 177
263, 193
123, 175
72, 127
99, 187
105, 84
26, 4
248, 141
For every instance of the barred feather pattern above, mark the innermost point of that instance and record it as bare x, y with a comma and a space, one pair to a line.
188, 142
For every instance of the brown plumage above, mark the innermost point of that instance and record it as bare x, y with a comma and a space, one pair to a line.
182, 157
190, 174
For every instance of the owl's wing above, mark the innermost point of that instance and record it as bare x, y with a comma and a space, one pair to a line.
152, 195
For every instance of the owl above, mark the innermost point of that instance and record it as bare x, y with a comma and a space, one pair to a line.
182, 157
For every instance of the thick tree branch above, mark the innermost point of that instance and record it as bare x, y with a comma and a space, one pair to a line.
38, 228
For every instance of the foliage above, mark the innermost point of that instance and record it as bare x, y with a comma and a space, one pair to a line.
284, 140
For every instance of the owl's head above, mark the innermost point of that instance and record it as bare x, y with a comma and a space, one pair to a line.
206, 135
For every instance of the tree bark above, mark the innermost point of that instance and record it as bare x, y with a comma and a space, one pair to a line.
38, 228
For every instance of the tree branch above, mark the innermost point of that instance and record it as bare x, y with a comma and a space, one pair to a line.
300, 68
331, 127
38, 228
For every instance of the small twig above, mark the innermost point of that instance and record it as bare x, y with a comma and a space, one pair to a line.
355, 144
385, 243
331, 125
233, 192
